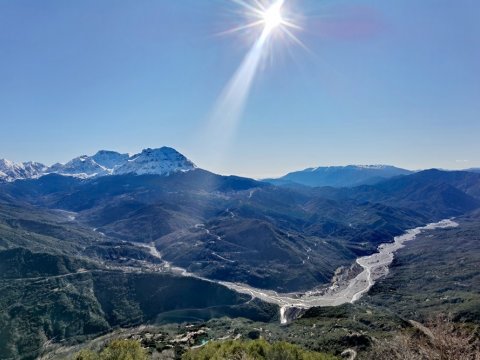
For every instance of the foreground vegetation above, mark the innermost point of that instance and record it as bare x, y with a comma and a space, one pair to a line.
116, 350
438, 339
217, 350
253, 350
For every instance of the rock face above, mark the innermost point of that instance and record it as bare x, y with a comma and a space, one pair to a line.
290, 313
162, 161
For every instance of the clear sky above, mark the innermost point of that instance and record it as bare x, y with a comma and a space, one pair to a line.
383, 81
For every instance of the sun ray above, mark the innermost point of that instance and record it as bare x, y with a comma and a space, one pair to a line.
295, 39
253, 9
290, 24
241, 28
260, 5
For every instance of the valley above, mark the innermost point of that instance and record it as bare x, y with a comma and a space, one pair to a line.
374, 267
445, 280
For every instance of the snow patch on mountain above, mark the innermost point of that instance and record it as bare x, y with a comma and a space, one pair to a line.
110, 159
83, 167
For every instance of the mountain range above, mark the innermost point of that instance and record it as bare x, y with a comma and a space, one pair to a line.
166, 160
162, 161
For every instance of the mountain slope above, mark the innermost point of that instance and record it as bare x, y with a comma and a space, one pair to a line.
438, 272
434, 194
56, 285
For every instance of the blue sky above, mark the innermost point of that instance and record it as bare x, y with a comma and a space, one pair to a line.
394, 82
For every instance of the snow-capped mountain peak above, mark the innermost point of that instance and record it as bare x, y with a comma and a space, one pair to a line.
162, 161
10, 171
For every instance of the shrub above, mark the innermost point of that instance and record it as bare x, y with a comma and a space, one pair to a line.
252, 350
116, 350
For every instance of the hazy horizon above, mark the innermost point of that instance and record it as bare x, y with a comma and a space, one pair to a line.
273, 175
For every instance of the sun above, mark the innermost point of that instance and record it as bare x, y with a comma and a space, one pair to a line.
272, 17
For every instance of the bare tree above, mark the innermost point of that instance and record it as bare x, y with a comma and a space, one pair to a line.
438, 339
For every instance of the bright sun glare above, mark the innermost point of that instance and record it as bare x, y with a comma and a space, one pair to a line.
272, 17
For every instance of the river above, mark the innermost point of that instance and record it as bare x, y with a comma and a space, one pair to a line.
373, 266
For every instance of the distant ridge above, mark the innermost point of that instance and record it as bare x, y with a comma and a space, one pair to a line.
340, 176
